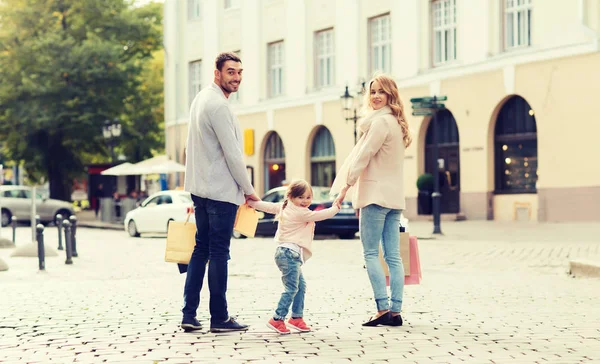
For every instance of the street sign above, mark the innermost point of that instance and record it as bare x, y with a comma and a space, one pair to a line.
422, 112
428, 105
428, 99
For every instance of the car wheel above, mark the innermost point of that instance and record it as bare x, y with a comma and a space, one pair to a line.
64, 213
6, 217
237, 235
347, 236
168, 222
132, 229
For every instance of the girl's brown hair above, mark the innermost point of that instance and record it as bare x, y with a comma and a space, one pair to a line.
394, 102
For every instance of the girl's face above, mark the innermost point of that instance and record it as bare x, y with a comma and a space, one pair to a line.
304, 200
378, 98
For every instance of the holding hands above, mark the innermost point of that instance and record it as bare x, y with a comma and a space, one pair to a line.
252, 197
338, 201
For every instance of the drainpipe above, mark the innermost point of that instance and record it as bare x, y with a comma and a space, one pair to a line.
582, 19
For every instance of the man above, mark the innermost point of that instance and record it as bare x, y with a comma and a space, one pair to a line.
215, 175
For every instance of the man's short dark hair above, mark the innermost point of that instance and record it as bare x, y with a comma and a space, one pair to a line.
224, 57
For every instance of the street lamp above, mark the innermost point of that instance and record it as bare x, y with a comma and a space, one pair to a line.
111, 131
350, 107
429, 106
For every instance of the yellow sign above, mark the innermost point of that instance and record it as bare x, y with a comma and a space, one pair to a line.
249, 142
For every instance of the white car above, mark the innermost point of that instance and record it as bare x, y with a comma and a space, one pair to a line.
157, 211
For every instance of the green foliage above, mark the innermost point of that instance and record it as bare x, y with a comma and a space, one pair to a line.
425, 182
66, 66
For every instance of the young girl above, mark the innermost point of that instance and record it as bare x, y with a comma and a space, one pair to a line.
294, 236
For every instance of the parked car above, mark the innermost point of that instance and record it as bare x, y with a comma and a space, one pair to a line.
16, 201
344, 224
157, 211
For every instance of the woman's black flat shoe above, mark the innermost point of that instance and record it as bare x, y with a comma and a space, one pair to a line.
384, 319
395, 321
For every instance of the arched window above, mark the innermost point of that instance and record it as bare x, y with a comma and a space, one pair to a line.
515, 148
274, 162
322, 159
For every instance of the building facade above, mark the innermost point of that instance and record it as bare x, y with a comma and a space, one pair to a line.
519, 76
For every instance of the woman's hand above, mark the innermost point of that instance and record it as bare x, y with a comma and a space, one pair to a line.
338, 201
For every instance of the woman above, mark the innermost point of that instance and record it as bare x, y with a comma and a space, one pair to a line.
376, 168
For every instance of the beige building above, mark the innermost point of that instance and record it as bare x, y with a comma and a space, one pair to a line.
521, 78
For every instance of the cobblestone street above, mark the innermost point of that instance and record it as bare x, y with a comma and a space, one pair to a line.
490, 293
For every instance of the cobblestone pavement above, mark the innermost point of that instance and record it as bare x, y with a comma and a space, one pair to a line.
501, 295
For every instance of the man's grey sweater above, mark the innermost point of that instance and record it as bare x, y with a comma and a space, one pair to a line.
214, 167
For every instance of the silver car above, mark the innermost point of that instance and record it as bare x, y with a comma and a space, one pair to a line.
16, 201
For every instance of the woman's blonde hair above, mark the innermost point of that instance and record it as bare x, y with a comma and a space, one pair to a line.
296, 188
394, 102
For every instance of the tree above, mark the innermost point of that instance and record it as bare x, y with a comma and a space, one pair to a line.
66, 66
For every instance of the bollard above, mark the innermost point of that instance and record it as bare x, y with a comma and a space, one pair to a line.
73, 220
40, 243
59, 222
37, 220
67, 226
13, 222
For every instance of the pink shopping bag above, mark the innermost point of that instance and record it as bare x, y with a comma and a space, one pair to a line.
415, 275
415, 263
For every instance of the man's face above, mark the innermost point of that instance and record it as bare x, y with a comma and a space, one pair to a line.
230, 76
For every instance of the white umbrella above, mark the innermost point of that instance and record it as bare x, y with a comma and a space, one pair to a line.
124, 169
156, 165
168, 167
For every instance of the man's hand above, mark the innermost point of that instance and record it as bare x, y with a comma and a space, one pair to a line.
252, 197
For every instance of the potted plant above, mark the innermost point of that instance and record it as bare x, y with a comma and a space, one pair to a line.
425, 187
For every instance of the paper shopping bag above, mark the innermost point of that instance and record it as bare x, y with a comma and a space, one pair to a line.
404, 254
415, 266
246, 221
181, 240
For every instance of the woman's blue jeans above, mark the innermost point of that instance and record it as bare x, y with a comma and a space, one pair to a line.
380, 224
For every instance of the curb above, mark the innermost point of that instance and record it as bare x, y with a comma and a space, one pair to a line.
98, 226
584, 268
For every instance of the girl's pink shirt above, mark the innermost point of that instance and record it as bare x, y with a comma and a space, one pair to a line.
296, 224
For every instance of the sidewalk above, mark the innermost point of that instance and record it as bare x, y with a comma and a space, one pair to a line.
476, 231
542, 234
87, 218
499, 300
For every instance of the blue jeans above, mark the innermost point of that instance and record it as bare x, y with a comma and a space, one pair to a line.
380, 224
214, 226
288, 262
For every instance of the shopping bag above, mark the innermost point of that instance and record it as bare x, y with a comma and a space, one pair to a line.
415, 266
181, 240
404, 254
246, 221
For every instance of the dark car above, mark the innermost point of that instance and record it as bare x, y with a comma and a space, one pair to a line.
344, 224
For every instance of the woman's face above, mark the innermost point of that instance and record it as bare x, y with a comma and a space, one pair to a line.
378, 98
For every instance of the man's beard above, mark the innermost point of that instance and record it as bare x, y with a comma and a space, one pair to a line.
229, 88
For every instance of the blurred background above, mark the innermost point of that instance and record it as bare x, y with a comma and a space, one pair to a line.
87, 85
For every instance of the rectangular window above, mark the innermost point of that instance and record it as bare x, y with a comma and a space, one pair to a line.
324, 58
276, 59
194, 9
380, 44
444, 31
517, 23
231, 4
195, 77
